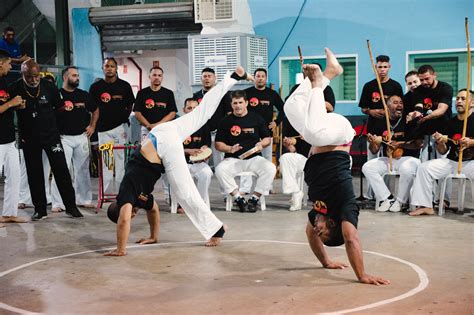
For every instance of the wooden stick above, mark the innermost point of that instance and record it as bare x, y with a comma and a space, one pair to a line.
387, 121
468, 93
301, 56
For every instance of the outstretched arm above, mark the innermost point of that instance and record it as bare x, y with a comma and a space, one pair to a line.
153, 217
123, 230
354, 253
317, 247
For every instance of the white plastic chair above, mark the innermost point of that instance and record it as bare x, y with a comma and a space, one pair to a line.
461, 191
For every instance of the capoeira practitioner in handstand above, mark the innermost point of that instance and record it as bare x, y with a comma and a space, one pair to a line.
162, 152
333, 219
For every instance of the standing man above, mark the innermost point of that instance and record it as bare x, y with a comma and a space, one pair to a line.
370, 101
432, 107
208, 80
155, 104
9, 157
75, 125
38, 132
237, 134
114, 98
412, 81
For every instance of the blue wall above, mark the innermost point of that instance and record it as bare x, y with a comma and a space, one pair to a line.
393, 27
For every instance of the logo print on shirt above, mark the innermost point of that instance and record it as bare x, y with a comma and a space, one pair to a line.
375, 97
235, 130
149, 103
105, 97
253, 101
4, 95
187, 141
68, 105
320, 206
199, 100
427, 103
57, 148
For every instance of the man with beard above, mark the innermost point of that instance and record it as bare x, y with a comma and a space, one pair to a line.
75, 125
114, 98
450, 144
155, 104
38, 131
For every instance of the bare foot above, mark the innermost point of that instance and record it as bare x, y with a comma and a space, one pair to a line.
216, 240
57, 210
421, 211
12, 219
314, 74
180, 210
333, 68
24, 206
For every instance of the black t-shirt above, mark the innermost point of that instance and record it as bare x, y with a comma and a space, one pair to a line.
329, 180
7, 128
454, 131
74, 114
246, 131
37, 122
408, 103
155, 105
222, 110
302, 147
430, 98
262, 102
370, 98
115, 102
400, 132
138, 182
328, 95
198, 139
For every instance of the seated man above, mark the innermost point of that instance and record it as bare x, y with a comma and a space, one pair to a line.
163, 151
403, 151
451, 143
193, 145
333, 219
237, 133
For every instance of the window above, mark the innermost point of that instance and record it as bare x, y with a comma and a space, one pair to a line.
450, 66
344, 86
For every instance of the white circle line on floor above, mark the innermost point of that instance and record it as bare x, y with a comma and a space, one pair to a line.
422, 276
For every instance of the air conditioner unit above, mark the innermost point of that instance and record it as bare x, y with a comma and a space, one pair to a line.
213, 10
226, 52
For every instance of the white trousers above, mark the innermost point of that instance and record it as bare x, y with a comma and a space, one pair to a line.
375, 169
230, 167
76, 151
25, 195
10, 161
202, 174
246, 181
169, 144
428, 172
306, 112
119, 136
291, 167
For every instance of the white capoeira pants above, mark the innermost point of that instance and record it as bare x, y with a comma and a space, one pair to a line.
428, 172
306, 112
10, 161
230, 167
25, 195
119, 136
169, 145
76, 151
406, 166
202, 174
291, 167
246, 181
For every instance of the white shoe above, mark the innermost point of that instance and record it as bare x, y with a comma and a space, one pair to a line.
385, 205
395, 207
296, 201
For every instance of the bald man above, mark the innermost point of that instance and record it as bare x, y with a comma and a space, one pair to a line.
38, 131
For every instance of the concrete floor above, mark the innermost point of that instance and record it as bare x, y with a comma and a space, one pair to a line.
263, 266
